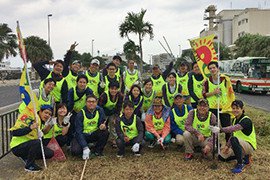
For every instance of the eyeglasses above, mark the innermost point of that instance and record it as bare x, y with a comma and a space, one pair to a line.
89, 101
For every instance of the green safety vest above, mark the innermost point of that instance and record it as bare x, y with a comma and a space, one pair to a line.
202, 126
90, 125
56, 92
79, 103
136, 105
212, 100
32, 135
183, 81
197, 88
157, 85
130, 131
41, 102
118, 73
170, 96
180, 120
106, 81
251, 138
130, 79
158, 123
71, 80
147, 101
54, 131
109, 104
93, 83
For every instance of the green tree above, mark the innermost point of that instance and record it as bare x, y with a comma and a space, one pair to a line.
37, 49
252, 45
86, 59
134, 23
131, 50
8, 42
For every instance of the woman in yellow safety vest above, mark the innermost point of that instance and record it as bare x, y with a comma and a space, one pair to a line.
170, 89
135, 95
25, 142
59, 126
243, 142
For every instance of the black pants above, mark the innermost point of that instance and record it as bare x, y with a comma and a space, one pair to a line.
122, 144
99, 137
31, 151
71, 129
225, 120
194, 105
62, 140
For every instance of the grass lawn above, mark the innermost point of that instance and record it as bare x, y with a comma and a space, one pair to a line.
158, 164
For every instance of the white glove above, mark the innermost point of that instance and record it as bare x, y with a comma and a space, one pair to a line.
86, 153
40, 134
136, 147
160, 141
143, 117
102, 84
214, 129
66, 119
51, 122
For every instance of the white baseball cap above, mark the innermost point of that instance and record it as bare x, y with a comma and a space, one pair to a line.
95, 61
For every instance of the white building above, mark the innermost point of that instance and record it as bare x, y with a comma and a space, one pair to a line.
162, 60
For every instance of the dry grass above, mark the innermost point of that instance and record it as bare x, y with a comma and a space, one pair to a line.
157, 164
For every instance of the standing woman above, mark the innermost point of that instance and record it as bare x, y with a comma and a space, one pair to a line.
148, 94
60, 126
170, 89
243, 142
135, 95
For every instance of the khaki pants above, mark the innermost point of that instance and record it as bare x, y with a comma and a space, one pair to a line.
246, 147
179, 139
191, 141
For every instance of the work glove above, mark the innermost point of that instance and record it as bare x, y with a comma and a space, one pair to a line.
51, 122
102, 84
143, 117
135, 147
66, 119
86, 152
160, 140
40, 134
214, 129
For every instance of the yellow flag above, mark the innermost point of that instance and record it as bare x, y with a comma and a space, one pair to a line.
204, 52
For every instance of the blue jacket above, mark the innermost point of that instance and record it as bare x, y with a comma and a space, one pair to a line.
174, 127
80, 136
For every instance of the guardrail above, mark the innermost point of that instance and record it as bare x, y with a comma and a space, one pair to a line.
7, 120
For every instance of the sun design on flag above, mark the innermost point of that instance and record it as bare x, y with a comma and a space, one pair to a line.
205, 51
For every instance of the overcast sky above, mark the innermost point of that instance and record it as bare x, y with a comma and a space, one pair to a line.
84, 20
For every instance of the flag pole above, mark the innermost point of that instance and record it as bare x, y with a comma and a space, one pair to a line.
23, 55
218, 98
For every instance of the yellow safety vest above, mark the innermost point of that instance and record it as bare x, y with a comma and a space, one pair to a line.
130, 79
109, 104
158, 123
130, 131
202, 126
71, 80
183, 81
136, 105
213, 100
157, 85
90, 125
93, 83
251, 138
180, 120
197, 88
147, 101
170, 96
79, 103
106, 81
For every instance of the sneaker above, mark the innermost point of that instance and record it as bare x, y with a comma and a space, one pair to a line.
238, 168
247, 160
32, 168
152, 144
188, 156
138, 154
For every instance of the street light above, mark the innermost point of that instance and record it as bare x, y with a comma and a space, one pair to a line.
49, 15
92, 47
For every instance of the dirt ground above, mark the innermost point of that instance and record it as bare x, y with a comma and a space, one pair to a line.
156, 163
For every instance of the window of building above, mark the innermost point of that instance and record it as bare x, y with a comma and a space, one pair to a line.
246, 20
239, 23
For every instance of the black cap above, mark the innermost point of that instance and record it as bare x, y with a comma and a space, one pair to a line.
238, 103
113, 84
183, 63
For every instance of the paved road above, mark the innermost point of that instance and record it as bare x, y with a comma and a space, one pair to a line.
256, 100
10, 94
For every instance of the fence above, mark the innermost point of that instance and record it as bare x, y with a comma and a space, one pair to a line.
7, 120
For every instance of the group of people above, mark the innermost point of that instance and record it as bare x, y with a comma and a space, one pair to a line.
85, 111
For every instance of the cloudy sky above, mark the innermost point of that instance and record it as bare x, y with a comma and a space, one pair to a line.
84, 20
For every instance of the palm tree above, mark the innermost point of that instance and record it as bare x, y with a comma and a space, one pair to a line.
37, 49
131, 50
134, 23
8, 42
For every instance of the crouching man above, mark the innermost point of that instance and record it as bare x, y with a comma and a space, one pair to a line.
198, 131
129, 130
90, 127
